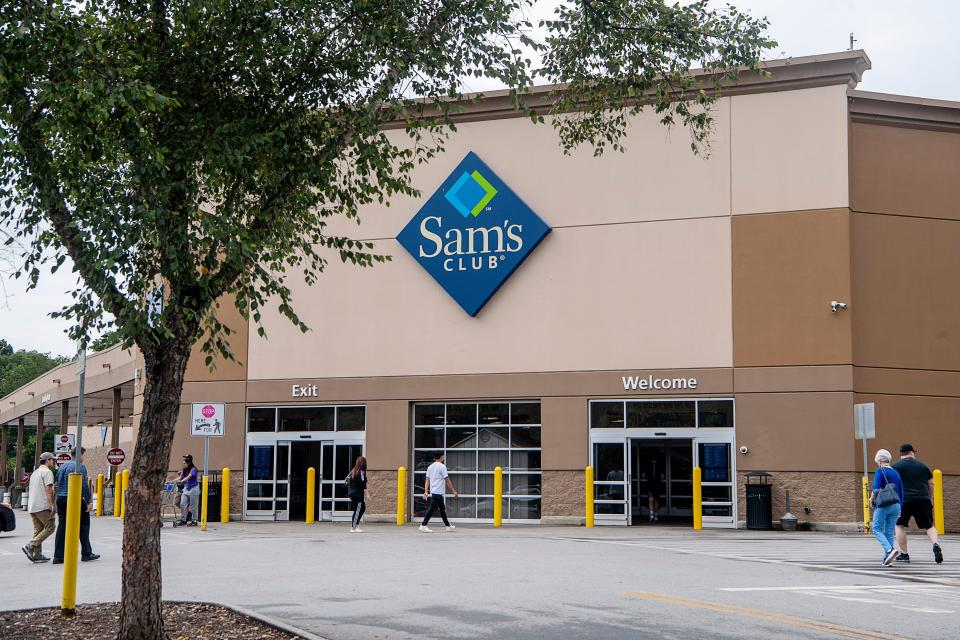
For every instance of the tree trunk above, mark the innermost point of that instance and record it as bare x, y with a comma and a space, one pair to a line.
140, 612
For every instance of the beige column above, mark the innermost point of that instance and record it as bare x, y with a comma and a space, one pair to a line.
3, 455
38, 445
17, 467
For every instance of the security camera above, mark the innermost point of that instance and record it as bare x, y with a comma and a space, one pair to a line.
744, 450
836, 304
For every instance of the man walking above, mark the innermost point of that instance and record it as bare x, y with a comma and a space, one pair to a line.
917, 501
433, 491
63, 475
42, 505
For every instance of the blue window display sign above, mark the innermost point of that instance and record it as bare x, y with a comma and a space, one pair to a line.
714, 459
261, 459
472, 234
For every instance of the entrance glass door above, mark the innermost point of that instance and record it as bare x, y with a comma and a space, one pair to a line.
714, 460
610, 486
338, 460
661, 480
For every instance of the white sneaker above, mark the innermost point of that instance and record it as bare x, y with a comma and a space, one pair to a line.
451, 528
887, 561
358, 530
425, 529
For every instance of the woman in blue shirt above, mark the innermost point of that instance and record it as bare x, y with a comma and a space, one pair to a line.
191, 492
885, 517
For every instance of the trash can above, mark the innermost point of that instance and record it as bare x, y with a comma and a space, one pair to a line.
213, 498
759, 500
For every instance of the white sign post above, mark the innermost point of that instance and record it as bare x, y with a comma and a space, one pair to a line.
63, 443
865, 428
208, 421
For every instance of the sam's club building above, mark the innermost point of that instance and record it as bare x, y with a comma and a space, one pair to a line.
644, 312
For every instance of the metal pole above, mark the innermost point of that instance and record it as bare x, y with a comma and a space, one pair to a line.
83, 376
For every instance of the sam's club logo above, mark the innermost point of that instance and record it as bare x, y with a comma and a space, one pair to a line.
472, 234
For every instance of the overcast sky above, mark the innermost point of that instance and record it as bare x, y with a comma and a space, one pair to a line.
913, 46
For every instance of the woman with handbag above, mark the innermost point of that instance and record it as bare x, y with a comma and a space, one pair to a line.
357, 490
886, 498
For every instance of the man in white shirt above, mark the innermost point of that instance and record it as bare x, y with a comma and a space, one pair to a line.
433, 491
42, 506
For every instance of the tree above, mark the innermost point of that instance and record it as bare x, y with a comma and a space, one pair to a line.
105, 341
204, 144
17, 368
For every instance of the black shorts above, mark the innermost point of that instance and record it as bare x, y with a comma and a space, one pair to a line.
920, 510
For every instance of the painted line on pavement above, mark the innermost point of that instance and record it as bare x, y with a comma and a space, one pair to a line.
945, 581
766, 616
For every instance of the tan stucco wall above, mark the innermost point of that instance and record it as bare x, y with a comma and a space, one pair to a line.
611, 296
796, 431
789, 150
904, 170
905, 278
787, 268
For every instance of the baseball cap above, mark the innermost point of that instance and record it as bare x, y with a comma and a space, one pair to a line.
907, 448
46, 455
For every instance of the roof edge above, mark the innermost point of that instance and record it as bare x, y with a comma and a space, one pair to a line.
785, 74
904, 111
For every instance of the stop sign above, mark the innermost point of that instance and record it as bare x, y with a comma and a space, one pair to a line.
64, 457
116, 456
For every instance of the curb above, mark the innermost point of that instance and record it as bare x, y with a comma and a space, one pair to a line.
270, 622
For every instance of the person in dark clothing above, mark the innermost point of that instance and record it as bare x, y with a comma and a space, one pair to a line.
357, 492
86, 503
917, 501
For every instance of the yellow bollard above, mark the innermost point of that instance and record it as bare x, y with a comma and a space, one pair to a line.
498, 496
99, 494
697, 500
401, 496
116, 493
203, 503
225, 496
865, 496
938, 521
311, 494
588, 489
71, 550
124, 482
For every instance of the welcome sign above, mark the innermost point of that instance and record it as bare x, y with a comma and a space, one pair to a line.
472, 234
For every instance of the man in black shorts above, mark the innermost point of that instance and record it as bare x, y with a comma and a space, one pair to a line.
917, 501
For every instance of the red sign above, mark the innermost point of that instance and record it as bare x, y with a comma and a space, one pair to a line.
64, 457
116, 456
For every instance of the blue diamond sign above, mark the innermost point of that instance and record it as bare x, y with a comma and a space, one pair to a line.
472, 234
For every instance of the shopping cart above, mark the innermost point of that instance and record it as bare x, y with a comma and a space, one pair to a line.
168, 504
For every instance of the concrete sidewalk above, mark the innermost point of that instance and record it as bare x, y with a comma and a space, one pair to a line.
528, 581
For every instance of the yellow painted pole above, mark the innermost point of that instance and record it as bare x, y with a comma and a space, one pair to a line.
498, 497
865, 496
225, 496
588, 489
401, 496
71, 550
99, 494
311, 493
938, 500
697, 500
203, 503
117, 490
124, 481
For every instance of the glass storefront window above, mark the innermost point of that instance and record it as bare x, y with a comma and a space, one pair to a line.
476, 438
715, 462
306, 418
608, 461
351, 418
261, 419
606, 415
715, 413
429, 414
662, 415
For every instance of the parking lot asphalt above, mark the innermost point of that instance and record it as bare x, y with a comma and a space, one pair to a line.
527, 581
